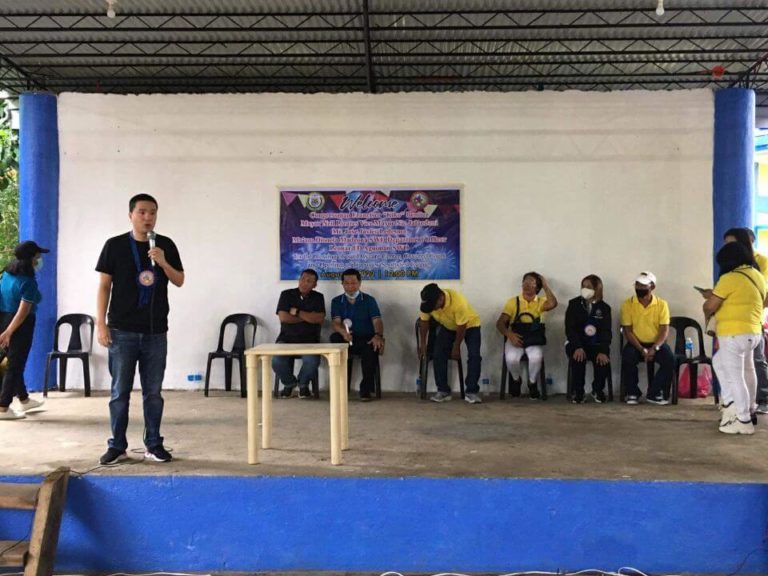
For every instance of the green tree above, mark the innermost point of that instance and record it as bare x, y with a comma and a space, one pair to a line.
9, 185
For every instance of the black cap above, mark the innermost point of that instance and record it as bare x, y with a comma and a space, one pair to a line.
28, 250
429, 297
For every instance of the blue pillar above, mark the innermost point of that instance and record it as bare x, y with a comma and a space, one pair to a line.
39, 213
733, 171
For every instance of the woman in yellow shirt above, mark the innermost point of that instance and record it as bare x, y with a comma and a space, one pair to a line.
533, 307
737, 302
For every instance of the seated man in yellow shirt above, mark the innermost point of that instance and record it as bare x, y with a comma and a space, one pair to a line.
458, 323
645, 322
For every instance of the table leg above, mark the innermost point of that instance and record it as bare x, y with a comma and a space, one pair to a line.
335, 389
266, 402
251, 365
344, 402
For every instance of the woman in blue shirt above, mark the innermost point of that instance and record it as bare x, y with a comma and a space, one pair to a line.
19, 297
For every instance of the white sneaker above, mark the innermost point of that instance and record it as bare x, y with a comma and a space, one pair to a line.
441, 397
473, 399
30, 405
727, 414
659, 401
11, 414
737, 427
632, 400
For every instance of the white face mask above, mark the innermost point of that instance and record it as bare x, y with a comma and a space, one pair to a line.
587, 293
354, 295
39, 265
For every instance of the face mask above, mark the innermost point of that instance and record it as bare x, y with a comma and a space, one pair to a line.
39, 265
587, 293
641, 292
354, 295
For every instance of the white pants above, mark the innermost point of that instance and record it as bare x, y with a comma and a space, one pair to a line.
736, 372
513, 354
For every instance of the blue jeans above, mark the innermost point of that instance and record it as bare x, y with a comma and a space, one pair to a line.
149, 350
444, 340
283, 367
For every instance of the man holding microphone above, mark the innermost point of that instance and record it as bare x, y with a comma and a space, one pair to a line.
134, 271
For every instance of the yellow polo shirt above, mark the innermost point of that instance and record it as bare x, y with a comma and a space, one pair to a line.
455, 312
645, 320
742, 309
535, 308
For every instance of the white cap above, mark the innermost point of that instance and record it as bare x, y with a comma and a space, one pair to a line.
646, 278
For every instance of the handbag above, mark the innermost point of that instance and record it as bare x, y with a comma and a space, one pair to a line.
532, 333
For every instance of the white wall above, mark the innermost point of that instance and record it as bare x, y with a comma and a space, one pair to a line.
563, 183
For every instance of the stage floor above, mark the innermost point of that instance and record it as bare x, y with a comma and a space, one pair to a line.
400, 436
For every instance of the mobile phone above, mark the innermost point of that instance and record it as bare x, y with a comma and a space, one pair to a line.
700, 289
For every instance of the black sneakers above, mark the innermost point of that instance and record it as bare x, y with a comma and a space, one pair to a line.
305, 393
112, 456
533, 392
286, 392
158, 454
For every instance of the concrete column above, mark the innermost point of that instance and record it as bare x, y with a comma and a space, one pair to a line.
733, 171
39, 214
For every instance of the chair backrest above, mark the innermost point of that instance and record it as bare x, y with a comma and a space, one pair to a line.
681, 324
75, 321
241, 321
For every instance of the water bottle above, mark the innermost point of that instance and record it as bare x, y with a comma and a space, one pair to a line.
418, 384
688, 348
485, 386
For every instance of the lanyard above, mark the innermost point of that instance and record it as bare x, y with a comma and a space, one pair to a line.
145, 278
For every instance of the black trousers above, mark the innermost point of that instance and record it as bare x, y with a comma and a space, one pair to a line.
579, 370
18, 352
369, 359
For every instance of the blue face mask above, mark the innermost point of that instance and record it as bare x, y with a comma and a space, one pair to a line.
354, 295
39, 265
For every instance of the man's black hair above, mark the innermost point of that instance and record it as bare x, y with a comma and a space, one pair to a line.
351, 272
140, 198
310, 272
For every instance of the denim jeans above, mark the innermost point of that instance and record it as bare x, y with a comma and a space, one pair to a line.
18, 352
662, 379
283, 367
444, 340
149, 351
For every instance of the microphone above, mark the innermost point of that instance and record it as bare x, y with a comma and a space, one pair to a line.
151, 236
347, 327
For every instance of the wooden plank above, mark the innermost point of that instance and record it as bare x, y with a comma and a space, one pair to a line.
18, 496
12, 553
45, 528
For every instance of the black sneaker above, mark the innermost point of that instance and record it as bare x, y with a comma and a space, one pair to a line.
578, 399
533, 392
514, 388
112, 456
158, 454
286, 392
598, 397
365, 397
305, 393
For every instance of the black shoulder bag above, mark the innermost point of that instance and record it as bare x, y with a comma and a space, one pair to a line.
532, 333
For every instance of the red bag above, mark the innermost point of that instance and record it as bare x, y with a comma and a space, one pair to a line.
703, 382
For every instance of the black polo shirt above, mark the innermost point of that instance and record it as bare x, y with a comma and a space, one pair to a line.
301, 332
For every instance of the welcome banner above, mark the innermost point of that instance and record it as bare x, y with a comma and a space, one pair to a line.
386, 233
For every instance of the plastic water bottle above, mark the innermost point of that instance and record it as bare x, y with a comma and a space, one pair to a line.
688, 348
485, 386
